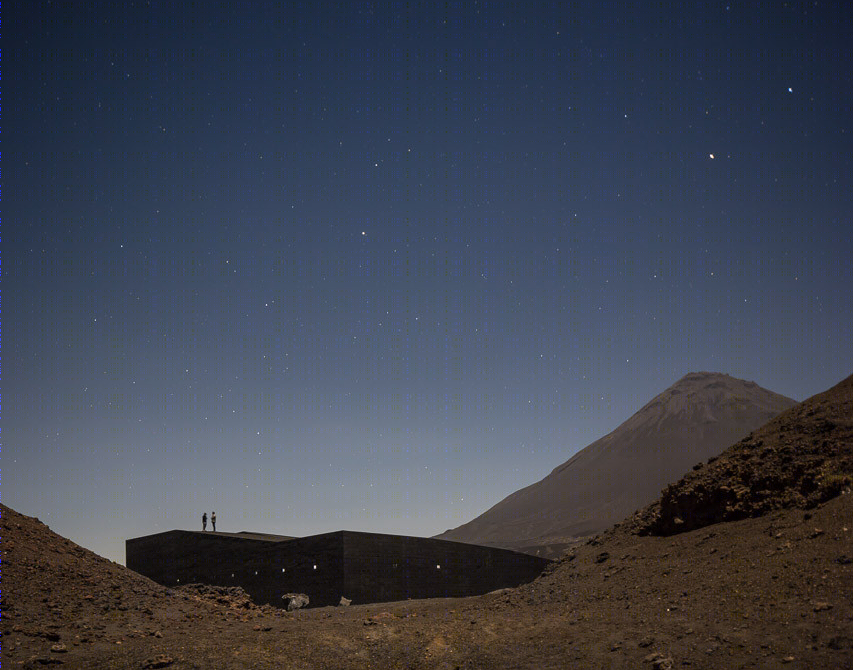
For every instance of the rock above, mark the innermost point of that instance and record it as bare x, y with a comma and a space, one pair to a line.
603, 556
499, 592
820, 606
159, 661
59, 649
295, 601
230, 596
844, 560
345, 602
659, 661
646, 642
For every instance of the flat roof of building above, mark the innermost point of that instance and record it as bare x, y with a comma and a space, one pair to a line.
271, 538
246, 535
242, 535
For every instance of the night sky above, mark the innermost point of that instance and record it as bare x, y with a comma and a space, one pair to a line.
375, 266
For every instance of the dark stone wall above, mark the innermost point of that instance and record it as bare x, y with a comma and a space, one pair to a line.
183, 557
393, 567
364, 567
310, 565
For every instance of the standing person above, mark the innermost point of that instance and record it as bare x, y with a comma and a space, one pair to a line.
213, 520
204, 521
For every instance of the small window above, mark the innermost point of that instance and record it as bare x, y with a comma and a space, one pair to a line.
256, 572
282, 569
232, 575
315, 566
438, 567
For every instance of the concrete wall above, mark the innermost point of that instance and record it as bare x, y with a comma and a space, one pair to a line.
183, 557
394, 567
311, 565
365, 567
266, 570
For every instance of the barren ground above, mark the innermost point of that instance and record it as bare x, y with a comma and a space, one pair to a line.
755, 593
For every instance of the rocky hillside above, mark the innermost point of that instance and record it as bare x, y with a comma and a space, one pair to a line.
799, 459
62, 601
693, 420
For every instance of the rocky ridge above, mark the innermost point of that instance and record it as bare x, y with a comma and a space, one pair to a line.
801, 459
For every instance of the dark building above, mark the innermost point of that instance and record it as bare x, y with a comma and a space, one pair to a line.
364, 567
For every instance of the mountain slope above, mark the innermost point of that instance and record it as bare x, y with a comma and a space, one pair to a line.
801, 458
696, 418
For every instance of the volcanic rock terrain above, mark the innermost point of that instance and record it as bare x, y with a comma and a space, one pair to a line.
695, 419
763, 580
800, 459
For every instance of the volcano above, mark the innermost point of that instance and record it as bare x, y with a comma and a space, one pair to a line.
694, 419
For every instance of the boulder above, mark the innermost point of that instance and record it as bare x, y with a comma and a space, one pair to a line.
345, 602
295, 601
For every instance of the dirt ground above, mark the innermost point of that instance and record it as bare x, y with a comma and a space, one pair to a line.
756, 593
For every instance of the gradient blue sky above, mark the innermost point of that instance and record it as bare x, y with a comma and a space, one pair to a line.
375, 266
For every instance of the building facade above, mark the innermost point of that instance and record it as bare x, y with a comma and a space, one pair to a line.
363, 567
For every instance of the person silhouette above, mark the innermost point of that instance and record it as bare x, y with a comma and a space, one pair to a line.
204, 521
213, 520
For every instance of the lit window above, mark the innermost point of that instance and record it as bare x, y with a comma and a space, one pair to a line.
282, 569
256, 572
438, 567
315, 566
